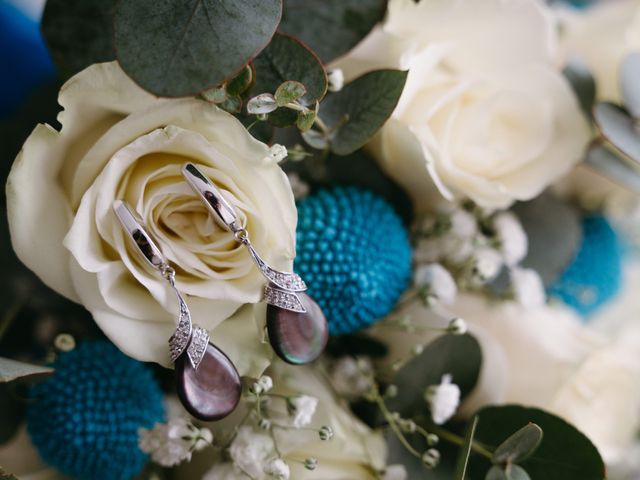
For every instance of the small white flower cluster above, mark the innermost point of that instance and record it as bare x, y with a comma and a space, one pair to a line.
443, 399
173, 442
350, 377
476, 247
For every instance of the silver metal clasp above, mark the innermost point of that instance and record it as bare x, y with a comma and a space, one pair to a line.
223, 213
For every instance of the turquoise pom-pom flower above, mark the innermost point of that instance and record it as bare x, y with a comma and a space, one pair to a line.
595, 275
84, 419
353, 252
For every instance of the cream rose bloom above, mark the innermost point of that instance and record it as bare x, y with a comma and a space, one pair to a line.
119, 142
485, 112
601, 36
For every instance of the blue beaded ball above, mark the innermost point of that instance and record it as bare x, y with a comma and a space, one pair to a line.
84, 419
353, 252
595, 275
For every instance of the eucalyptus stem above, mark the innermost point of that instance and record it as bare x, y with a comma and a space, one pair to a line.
458, 440
392, 423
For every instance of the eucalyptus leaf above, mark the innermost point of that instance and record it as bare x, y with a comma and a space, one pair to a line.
305, 120
337, 26
630, 83
79, 32
286, 59
288, 92
232, 104
261, 104
519, 446
465, 450
582, 82
457, 355
177, 48
613, 166
617, 126
283, 117
215, 95
554, 230
512, 472
361, 108
241, 82
564, 454
12, 370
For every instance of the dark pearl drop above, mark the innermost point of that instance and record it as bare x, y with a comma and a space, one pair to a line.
297, 338
213, 390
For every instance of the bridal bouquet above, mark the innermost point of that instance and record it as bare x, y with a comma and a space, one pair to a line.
336, 240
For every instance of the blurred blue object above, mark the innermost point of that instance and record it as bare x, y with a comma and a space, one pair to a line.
25, 62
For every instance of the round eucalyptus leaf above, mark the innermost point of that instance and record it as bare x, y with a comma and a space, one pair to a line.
614, 166
176, 48
582, 82
79, 32
630, 83
286, 59
496, 473
519, 446
564, 453
361, 108
457, 355
617, 126
337, 26
511, 472
554, 231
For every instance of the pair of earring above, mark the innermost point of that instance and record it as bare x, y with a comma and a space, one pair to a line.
207, 382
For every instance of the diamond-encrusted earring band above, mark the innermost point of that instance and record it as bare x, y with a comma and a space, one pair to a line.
296, 326
207, 382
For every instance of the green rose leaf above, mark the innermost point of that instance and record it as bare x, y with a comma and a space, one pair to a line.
177, 48
519, 446
337, 26
79, 32
284, 59
288, 92
12, 370
564, 453
465, 450
457, 355
359, 110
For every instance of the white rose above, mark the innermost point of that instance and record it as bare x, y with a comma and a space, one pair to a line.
601, 36
119, 142
485, 112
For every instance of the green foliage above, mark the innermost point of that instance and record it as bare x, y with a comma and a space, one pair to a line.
465, 450
563, 454
79, 32
12, 370
512, 472
609, 163
356, 113
583, 83
519, 446
331, 27
178, 48
286, 59
458, 355
618, 127
288, 92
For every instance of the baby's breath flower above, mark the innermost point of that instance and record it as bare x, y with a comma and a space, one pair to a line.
171, 443
528, 289
443, 399
277, 153
325, 432
437, 282
350, 377
302, 407
335, 78
310, 463
262, 385
251, 450
512, 238
431, 458
277, 469
457, 326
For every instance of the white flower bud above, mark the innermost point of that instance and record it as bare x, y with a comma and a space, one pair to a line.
325, 432
431, 458
335, 78
302, 407
512, 238
276, 154
262, 385
443, 399
310, 463
277, 469
528, 289
438, 281
463, 224
487, 264
457, 326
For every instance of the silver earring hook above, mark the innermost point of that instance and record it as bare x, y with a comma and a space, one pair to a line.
186, 336
223, 213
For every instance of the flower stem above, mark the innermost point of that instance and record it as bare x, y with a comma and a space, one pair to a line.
458, 440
